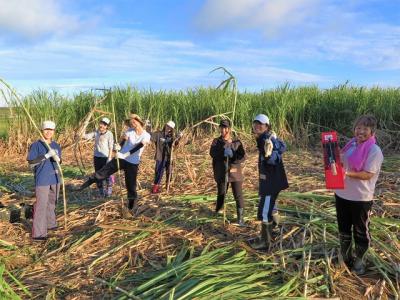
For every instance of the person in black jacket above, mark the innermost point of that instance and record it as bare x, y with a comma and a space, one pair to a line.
228, 152
272, 178
164, 141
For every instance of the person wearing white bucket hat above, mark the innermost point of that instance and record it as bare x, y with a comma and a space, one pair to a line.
43, 157
164, 140
272, 178
103, 149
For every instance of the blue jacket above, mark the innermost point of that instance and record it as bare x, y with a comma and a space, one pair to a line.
272, 175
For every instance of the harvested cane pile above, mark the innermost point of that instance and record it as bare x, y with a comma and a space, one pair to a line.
174, 247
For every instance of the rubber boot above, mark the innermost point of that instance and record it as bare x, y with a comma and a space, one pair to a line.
220, 203
154, 189
265, 237
240, 219
345, 249
132, 204
359, 266
87, 183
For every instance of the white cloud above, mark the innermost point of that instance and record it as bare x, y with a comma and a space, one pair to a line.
117, 56
268, 16
33, 18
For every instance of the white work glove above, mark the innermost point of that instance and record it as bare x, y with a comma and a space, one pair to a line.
56, 158
122, 155
51, 153
228, 152
162, 140
268, 146
117, 147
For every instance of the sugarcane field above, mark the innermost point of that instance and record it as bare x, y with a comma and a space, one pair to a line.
170, 240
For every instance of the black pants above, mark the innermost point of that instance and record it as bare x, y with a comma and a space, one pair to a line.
266, 207
353, 221
130, 170
100, 162
161, 165
237, 194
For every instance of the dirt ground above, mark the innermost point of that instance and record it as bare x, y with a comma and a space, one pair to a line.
97, 245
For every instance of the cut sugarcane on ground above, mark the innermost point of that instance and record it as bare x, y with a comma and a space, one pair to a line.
176, 248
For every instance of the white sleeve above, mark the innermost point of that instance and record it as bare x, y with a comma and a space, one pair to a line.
89, 136
374, 160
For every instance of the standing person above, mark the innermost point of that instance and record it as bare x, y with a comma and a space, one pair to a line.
362, 159
133, 143
164, 140
103, 146
272, 178
227, 151
42, 157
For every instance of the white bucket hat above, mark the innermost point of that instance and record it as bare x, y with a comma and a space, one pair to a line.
170, 124
263, 119
48, 125
105, 120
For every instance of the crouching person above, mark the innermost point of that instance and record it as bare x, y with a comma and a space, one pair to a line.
227, 155
272, 179
43, 157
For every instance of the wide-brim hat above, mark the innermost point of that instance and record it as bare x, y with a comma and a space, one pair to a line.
135, 117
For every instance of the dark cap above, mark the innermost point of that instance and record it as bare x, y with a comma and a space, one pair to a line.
225, 123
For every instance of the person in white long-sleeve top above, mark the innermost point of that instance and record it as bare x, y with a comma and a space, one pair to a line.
103, 147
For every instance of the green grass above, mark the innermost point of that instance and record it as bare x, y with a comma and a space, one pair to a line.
298, 114
4, 122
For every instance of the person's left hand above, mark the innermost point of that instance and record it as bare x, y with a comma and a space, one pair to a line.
268, 146
122, 155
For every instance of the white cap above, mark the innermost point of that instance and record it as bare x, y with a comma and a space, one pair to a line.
170, 124
105, 120
48, 125
263, 119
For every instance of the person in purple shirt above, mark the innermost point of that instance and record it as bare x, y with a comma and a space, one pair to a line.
44, 157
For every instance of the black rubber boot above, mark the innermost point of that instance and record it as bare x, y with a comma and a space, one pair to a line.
265, 237
220, 203
345, 249
132, 204
359, 266
240, 219
87, 183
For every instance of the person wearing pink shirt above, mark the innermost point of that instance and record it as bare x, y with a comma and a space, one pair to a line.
362, 160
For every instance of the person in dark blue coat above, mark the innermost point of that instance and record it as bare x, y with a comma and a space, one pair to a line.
44, 157
272, 178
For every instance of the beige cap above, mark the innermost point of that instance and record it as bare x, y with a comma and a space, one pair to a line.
48, 125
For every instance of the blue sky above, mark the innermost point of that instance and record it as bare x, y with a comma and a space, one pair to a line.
76, 45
